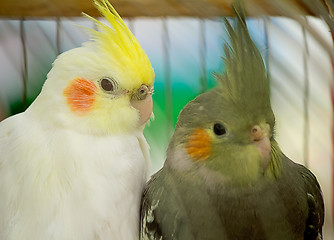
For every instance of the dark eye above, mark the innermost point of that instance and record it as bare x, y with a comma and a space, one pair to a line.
108, 84
219, 129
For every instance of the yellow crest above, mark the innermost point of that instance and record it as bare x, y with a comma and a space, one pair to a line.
122, 48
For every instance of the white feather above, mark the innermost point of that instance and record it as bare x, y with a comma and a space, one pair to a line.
56, 183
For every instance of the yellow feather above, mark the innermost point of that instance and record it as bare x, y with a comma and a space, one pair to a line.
122, 48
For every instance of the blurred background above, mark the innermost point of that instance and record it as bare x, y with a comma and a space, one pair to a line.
184, 41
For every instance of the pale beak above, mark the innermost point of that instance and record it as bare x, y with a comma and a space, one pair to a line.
260, 136
144, 106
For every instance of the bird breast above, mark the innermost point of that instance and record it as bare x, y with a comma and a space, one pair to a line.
63, 180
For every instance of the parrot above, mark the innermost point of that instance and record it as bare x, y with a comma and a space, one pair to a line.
225, 176
73, 165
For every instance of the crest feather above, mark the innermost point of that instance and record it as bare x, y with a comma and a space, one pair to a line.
120, 45
244, 83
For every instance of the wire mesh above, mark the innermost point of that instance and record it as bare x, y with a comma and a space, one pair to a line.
298, 94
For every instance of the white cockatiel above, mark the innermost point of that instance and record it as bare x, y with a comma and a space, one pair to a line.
73, 165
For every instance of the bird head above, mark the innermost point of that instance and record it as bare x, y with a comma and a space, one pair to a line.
103, 87
230, 129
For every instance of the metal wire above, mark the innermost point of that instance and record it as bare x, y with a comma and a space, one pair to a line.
332, 101
306, 97
167, 77
291, 12
25, 68
132, 26
203, 80
58, 30
202, 50
267, 44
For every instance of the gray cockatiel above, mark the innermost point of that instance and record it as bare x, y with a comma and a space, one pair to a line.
225, 176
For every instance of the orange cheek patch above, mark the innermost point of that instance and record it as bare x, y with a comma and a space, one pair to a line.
199, 145
80, 95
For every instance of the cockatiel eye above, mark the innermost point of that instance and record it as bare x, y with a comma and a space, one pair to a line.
109, 85
219, 129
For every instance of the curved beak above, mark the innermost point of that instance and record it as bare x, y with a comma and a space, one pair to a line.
144, 107
260, 137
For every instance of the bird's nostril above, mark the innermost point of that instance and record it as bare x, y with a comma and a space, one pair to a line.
256, 133
256, 130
